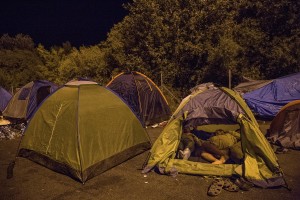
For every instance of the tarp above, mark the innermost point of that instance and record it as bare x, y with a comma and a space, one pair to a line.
82, 130
5, 96
250, 85
268, 100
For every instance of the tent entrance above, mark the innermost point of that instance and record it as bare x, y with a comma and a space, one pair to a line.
42, 93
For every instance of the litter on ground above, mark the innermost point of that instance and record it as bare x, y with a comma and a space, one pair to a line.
11, 131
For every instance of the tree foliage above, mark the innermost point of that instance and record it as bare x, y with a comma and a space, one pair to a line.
186, 42
20, 41
195, 41
87, 62
19, 62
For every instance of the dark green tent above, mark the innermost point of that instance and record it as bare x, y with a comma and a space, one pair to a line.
208, 110
83, 129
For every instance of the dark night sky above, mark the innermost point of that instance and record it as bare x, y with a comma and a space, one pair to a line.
53, 22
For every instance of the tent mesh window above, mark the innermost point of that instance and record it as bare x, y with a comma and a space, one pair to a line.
24, 93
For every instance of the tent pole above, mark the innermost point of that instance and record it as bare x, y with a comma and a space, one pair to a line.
229, 78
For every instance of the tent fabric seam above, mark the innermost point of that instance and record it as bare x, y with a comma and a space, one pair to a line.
52, 132
78, 135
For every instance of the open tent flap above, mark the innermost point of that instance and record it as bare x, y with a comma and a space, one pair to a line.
260, 164
166, 145
164, 150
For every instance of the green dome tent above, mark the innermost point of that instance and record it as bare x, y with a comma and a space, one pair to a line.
82, 130
211, 109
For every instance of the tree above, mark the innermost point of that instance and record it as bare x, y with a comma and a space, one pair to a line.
20, 41
270, 35
184, 40
87, 62
19, 67
195, 41
19, 61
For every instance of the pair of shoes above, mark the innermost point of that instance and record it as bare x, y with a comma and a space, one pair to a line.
219, 183
230, 186
216, 187
185, 154
243, 184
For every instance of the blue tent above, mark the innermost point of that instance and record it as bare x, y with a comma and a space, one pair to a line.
4, 98
27, 99
142, 95
268, 100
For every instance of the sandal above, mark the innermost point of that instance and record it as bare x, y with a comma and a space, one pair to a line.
281, 150
216, 187
243, 184
230, 186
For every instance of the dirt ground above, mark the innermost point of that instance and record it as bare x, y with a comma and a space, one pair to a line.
32, 181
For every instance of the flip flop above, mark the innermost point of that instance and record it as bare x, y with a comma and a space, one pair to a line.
216, 187
230, 186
